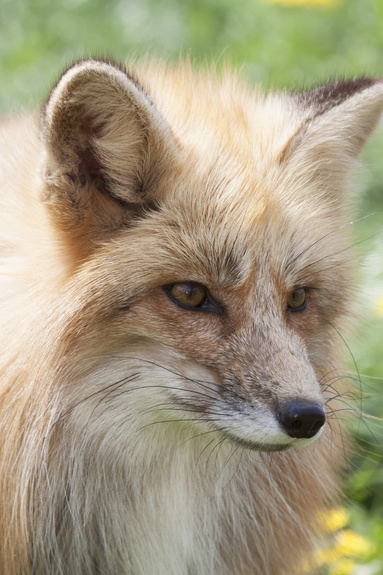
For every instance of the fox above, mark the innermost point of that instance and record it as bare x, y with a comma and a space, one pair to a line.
175, 282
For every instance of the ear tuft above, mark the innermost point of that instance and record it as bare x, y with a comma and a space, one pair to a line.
327, 96
343, 114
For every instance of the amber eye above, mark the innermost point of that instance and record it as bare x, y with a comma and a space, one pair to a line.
297, 300
188, 294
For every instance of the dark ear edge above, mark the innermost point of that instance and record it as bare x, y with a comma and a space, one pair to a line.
104, 140
323, 97
334, 122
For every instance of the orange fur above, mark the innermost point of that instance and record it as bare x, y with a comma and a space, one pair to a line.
139, 436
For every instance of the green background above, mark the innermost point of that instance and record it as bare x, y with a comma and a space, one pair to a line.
279, 46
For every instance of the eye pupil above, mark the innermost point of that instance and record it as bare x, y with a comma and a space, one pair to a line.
297, 300
189, 295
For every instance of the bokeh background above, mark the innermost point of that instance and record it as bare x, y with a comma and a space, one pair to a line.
280, 44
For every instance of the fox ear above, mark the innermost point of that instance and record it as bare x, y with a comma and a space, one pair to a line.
106, 146
336, 121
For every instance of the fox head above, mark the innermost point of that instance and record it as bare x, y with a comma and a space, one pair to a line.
177, 283
204, 226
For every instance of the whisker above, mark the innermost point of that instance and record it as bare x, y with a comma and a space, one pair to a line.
186, 409
238, 465
291, 262
341, 396
206, 446
334, 412
162, 386
108, 387
202, 383
226, 462
218, 447
328, 385
198, 435
353, 359
177, 421
132, 377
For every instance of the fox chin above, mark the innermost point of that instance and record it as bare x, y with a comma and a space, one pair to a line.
175, 277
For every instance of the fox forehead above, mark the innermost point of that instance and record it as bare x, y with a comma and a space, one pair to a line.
220, 227
206, 111
233, 193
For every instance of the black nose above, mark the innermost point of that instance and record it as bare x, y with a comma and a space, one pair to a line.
301, 420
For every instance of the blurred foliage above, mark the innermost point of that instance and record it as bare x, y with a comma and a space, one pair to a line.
279, 43
287, 44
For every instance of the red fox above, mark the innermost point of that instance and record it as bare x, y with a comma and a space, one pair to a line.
174, 281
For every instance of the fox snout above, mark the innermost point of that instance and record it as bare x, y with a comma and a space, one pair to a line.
271, 393
272, 423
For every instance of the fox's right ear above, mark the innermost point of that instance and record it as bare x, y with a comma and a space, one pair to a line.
106, 148
336, 120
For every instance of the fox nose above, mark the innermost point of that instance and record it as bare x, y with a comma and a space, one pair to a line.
301, 420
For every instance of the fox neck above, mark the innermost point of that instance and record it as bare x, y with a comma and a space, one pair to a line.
198, 495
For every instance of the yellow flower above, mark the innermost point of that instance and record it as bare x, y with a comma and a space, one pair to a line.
305, 2
345, 548
336, 519
379, 306
342, 567
326, 556
350, 544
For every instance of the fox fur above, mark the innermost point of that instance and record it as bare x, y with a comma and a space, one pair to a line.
141, 436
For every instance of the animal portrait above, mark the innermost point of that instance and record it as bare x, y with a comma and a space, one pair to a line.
176, 279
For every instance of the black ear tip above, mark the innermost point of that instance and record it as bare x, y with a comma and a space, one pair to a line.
301, 420
324, 97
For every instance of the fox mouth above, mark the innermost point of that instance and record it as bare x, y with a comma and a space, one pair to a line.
256, 446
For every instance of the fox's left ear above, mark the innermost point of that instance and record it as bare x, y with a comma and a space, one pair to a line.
336, 121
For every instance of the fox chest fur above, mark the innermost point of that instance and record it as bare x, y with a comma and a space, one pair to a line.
174, 282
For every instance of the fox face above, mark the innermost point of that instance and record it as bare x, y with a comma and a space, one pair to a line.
238, 288
187, 259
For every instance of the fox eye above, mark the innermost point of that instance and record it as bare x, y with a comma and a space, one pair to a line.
193, 296
188, 295
297, 300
